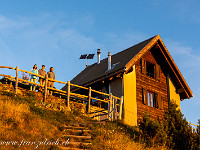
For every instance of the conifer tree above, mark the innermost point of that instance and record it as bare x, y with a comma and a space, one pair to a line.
172, 131
179, 133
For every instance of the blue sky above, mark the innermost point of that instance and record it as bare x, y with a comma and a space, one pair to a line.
57, 32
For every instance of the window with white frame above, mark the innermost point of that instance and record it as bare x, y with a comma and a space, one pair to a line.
151, 99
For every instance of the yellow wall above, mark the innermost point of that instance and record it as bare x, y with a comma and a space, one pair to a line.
173, 96
130, 104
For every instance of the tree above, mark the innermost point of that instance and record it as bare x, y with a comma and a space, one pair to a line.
152, 131
172, 131
180, 135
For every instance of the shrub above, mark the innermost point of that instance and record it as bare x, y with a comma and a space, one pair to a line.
152, 131
173, 132
179, 132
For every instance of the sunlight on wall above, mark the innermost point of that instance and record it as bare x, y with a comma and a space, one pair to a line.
130, 105
173, 96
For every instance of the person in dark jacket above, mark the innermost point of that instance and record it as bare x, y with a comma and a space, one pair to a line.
51, 75
42, 72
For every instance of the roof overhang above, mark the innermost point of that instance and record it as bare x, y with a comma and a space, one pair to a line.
105, 77
179, 77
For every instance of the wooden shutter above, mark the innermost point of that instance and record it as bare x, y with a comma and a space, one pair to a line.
156, 100
145, 97
143, 66
159, 101
157, 72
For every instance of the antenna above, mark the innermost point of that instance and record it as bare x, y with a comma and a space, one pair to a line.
87, 56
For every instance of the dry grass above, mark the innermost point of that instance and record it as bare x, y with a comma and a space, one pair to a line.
117, 136
21, 119
17, 122
115, 141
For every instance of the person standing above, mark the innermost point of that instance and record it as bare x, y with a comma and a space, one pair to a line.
51, 75
42, 72
33, 77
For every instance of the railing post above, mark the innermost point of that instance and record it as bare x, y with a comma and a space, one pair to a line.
116, 112
16, 82
120, 108
110, 108
45, 88
98, 116
68, 93
109, 111
115, 108
89, 99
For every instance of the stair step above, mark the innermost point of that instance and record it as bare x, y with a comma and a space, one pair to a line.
79, 143
74, 145
77, 136
80, 124
73, 127
68, 148
78, 131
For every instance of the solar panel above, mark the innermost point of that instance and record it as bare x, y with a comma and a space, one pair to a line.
90, 56
83, 56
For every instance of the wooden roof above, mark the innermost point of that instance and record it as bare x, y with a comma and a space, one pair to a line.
124, 60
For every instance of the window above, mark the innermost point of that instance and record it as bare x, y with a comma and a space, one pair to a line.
150, 69
152, 99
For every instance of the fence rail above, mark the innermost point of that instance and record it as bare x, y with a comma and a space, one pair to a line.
193, 126
111, 101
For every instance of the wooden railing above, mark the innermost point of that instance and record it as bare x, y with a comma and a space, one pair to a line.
191, 124
113, 101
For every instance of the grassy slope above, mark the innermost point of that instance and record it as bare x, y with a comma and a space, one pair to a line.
21, 118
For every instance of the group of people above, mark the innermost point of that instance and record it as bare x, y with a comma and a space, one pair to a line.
42, 72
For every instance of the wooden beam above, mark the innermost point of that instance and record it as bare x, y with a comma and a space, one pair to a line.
119, 75
68, 93
29, 82
156, 45
7, 67
115, 107
8, 76
98, 92
178, 91
45, 88
120, 108
141, 53
110, 108
155, 41
79, 86
16, 82
178, 71
167, 59
89, 99
31, 73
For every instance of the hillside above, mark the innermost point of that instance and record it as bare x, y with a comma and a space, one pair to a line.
27, 123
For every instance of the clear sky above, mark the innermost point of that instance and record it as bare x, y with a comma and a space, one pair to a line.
57, 32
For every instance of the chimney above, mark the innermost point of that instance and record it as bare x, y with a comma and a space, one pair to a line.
98, 56
109, 60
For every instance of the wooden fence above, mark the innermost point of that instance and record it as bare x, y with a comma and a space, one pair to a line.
113, 101
191, 124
